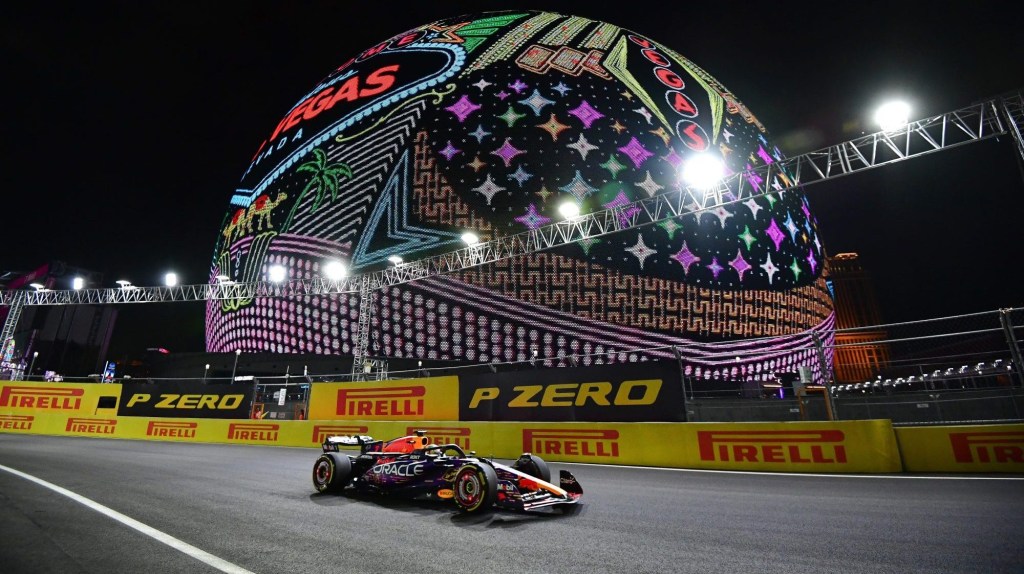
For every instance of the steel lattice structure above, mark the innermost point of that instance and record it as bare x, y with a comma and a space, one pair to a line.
994, 117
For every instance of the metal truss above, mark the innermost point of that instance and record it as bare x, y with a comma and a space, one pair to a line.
994, 117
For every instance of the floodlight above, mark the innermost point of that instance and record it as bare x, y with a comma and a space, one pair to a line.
892, 115
569, 210
703, 171
335, 270
77, 283
277, 273
470, 238
395, 260
171, 279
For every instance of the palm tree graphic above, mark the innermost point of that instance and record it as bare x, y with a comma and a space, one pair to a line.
326, 177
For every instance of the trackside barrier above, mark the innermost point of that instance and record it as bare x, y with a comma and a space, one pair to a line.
855, 446
988, 448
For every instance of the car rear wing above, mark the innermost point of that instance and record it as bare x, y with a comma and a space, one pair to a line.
334, 443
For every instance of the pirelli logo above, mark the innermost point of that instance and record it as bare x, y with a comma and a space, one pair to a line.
91, 426
50, 398
321, 432
568, 442
381, 401
790, 446
445, 435
171, 429
254, 432
971, 447
16, 422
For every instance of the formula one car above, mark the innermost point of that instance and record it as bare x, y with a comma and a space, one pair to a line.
414, 467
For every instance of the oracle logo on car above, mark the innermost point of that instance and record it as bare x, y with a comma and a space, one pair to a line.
988, 446
254, 432
445, 435
91, 426
568, 442
321, 432
381, 401
791, 446
171, 429
57, 398
16, 422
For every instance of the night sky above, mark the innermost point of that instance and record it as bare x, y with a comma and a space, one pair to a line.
130, 124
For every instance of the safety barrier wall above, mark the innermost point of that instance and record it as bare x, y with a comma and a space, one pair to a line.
871, 446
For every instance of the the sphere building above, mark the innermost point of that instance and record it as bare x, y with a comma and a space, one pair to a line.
488, 123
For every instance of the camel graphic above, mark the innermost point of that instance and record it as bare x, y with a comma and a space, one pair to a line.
260, 210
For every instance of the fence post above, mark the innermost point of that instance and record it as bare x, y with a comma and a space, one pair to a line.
826, 375
1011, 340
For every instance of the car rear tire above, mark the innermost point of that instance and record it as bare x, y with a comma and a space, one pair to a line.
476, 487
534, 466
331, 472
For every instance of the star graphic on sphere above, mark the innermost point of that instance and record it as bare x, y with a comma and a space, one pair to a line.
728, 136
770, 268
686, 258
641, 251
771, 199
520, 175
582, 146
578, 187
812, 261
544, 193
715, 267
482, 84
747, 237
536, 102
671, 227
627, 94
532, 219
722, 214
561, 88
449, 151
502, 95
463, 108
476, 164
753, 206
614, 166
488, 189
791, 226
817, 243
625, 214
511, 117
661, 133
587, 243
795, 268
518, 86
586, 113
673, 159
619, 128
480, 133
740, 264
645, 113
553, 127
507, 152
775, 234
635, 151
649, 185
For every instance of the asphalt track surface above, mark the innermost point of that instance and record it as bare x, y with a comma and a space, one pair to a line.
255, 508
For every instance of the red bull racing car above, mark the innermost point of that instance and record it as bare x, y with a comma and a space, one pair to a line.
414, 467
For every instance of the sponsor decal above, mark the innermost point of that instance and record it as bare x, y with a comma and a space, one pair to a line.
445, 435
381, 401
171, 429
446, 493
91, 426
567, 442
628, 393
16, 422
187, 401
254, 432
51, 398
321, 432
790, 446
971, 447
398, 469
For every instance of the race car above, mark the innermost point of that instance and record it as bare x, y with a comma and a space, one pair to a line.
414, 467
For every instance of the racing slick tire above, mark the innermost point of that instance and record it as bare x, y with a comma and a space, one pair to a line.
331, 472
476, 487
534, 466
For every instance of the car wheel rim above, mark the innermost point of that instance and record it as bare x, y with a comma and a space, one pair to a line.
323, 472
469, 489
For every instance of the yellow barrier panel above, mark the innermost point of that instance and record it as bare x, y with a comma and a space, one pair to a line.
23, 398
988, 448
435, 398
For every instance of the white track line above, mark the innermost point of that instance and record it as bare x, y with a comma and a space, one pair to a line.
790, 474
184, 547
